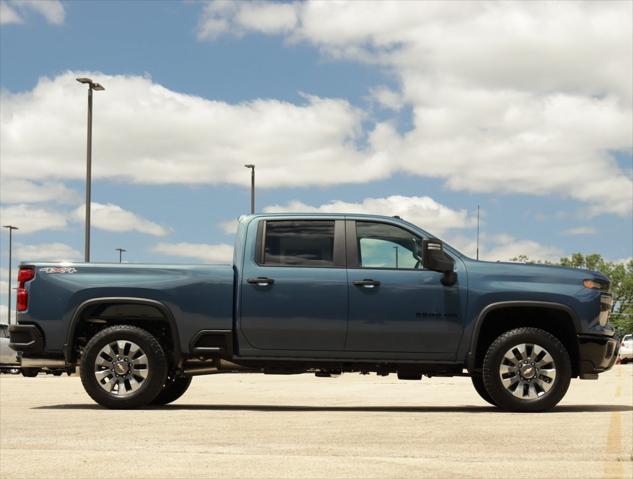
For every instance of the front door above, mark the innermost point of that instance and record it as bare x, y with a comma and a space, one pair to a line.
396, 306
294, 291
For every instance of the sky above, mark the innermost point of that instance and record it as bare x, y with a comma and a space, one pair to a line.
420, 109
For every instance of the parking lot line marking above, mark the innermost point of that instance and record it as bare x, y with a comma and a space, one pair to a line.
615, 469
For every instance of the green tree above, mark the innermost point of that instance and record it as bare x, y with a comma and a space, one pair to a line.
621, 276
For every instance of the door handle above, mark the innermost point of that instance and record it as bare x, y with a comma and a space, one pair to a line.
260, 281
366, 283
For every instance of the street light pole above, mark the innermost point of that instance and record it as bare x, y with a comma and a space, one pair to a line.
91, 86
252, 167
10, 228
121, 251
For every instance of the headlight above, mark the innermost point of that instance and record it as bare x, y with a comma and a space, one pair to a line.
596, 284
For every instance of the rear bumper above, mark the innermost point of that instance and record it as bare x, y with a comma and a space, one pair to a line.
597, 354
26, 338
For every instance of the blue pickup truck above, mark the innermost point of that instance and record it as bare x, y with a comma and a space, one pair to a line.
323, 294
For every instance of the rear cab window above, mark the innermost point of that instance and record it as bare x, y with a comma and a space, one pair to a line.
301, 243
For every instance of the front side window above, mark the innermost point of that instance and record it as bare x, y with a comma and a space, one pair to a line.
299, 243
387, 246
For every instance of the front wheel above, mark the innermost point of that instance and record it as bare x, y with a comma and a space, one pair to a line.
526, 370
123, 367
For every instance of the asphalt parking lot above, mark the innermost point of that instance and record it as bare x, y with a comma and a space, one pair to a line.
254, 426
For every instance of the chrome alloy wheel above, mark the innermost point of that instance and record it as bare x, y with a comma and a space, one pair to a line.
527, 371
121, 368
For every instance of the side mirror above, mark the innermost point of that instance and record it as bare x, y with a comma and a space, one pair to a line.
434, 257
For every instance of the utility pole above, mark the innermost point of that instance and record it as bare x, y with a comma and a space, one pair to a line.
396, 248
121, 251
11, 228
252, 167
477, 232
97, 87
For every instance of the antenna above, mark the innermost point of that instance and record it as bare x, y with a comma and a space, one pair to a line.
477, 232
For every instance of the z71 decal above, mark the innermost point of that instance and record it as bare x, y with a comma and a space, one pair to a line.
58, 270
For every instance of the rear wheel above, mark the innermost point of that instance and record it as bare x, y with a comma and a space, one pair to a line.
30, 372
526, 370
174, 388
478, 382
123, 367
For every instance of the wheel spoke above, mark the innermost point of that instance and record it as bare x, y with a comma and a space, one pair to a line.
103, 374
102, 361
532, 394
134, 348
140, 361
134, 384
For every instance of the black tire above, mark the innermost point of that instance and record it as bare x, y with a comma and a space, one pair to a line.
30, 372
156, 367
505, 398
478, 382
58, 373
174, 388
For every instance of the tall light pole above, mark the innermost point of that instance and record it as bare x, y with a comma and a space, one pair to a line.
252, 167
121, 251
10, 228
91, 86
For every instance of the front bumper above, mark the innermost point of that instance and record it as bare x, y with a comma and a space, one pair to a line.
26, 338
597, 354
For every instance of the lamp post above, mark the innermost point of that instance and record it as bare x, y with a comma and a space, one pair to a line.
396, 248
121, 251
10, 228
252, 167
97, 87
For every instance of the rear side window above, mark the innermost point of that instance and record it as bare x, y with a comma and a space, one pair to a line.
299, 243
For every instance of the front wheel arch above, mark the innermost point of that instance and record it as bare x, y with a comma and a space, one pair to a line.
556, 319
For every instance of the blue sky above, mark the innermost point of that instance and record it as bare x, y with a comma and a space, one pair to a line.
227, 56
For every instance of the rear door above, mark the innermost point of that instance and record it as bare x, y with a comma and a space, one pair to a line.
294, 290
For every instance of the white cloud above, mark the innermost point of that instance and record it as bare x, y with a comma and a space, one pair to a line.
208, 253
25, 191
9, 15
386, 97
30, 219
580, 231
229, 227
46, 252
13, 11
505, 247
146, 133
507, 97
112, 217
420, 210
235, 17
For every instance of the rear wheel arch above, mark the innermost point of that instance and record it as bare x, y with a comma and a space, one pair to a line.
97, 313
555, 318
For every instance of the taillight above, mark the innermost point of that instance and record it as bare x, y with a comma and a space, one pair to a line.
24, 275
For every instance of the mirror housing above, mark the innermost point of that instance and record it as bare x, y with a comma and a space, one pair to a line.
435, 259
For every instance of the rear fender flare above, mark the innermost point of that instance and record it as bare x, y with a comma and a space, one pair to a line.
164, 310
